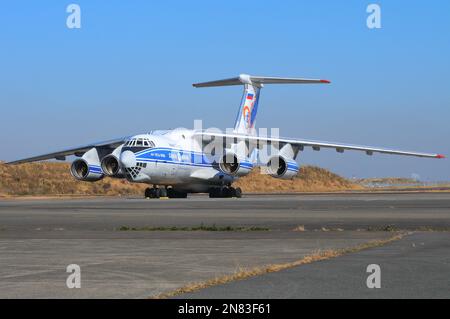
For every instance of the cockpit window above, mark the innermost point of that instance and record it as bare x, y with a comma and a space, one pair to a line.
140, 142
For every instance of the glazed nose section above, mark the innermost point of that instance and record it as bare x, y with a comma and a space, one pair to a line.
127, 159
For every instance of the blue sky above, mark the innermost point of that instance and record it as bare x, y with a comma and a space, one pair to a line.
129, 69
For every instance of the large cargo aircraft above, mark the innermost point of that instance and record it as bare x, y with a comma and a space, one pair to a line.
181, 161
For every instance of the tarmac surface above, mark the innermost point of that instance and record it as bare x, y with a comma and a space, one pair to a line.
418, 266
40, 238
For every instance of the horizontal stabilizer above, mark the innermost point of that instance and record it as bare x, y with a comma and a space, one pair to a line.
258, 80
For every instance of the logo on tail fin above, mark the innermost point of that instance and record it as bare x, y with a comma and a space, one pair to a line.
249, 111
254, 110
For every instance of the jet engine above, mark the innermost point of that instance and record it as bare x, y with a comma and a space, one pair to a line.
232, 165
87, 168
110, 164
280, 167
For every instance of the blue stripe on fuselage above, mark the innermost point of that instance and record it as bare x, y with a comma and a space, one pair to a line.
181, 157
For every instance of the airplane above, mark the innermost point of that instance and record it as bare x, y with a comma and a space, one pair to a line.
181, 161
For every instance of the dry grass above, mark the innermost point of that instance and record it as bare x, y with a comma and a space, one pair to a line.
202, 227
244, 273
299, 228
309, 179
55, 179
52, 179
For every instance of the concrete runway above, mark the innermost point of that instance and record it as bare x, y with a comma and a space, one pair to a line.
39, 238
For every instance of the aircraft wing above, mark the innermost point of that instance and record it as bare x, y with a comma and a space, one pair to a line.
315, 145
78, 151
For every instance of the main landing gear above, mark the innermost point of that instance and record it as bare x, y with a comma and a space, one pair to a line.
156, 192
214, 192
225, 192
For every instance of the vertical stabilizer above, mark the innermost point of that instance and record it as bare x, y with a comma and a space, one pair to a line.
246, 117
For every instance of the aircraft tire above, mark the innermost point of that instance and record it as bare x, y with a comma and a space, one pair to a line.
183, 195
148, 193
163, 192
171, 193
214, 192
227, 192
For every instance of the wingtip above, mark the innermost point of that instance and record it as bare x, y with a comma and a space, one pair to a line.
440, 156
325, 81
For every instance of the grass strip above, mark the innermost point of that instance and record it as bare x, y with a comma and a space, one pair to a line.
244, 273
195, 228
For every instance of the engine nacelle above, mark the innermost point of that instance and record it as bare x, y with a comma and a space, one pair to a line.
87, 168
230, 164
110, 166
83, 171
280, 167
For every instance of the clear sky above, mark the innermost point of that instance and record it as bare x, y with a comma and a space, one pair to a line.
130, 67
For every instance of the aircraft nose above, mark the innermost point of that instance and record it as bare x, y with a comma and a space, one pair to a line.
128, 159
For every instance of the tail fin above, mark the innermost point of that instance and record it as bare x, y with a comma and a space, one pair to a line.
245, 119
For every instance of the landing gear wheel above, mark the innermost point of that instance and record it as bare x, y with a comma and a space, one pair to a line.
171, 193
152, 192
148, 193
182, 195
163, 192
216, 192
225, 192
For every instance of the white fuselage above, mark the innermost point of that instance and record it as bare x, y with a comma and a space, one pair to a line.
172, 158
